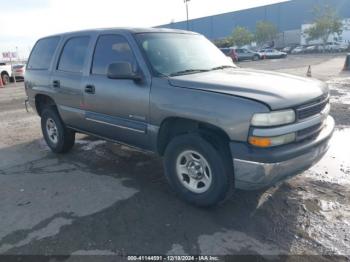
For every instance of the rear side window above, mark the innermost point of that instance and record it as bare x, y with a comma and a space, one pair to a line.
111, 49
73, 55
42, 54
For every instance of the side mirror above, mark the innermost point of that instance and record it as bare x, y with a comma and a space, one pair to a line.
122, 70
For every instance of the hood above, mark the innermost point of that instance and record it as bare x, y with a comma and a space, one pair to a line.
277, 90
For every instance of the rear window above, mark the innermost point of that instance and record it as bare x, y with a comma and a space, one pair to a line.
73, 54
42, 54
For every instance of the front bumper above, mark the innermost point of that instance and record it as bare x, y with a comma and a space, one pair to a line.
258, 168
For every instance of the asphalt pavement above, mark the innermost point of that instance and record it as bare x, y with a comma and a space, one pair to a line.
108, 199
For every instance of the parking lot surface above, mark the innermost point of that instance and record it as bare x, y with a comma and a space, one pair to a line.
103, 198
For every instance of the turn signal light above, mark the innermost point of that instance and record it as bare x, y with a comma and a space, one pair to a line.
260, 141
272, 141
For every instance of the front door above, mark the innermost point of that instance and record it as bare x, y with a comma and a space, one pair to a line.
116, 108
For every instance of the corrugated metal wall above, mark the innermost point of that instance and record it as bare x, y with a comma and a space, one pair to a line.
287, 16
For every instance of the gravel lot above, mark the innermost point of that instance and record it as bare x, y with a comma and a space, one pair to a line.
103, 198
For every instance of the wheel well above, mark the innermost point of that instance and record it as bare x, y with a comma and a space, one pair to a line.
4, 73
42, 101
174, 126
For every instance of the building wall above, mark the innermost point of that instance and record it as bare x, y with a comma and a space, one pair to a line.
289, 37
288, 16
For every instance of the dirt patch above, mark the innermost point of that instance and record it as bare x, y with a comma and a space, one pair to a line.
340, 112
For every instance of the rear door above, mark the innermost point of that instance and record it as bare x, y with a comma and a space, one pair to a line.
240, 54
246, 54
116, 108
66, 79
270, 53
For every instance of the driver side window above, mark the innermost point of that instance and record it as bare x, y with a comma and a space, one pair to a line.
111, 49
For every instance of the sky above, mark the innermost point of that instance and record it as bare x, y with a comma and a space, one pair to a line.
22, 22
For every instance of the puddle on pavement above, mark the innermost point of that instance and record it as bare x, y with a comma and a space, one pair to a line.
334, 167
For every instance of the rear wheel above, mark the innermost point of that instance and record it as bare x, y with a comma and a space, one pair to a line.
5, 78
255, 57
59, 138
198, 172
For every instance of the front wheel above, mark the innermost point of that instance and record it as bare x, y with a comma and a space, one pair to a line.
199, 173
256, 57
59, 138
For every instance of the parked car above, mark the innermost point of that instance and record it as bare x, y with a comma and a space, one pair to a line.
246, 54
230, 52
336, 47
311, 49
18, 72
288, 49
272, 53
5, 72
298, 50
320, 48
217, 126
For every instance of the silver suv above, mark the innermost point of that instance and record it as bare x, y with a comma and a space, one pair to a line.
174, 93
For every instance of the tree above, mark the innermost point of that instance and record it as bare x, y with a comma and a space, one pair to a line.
326, 23
222, 43
265, 32
241, 36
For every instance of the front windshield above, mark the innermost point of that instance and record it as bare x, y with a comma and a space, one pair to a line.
175, 54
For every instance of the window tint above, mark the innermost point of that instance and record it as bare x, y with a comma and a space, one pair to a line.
42, 53
111, 49
73, 54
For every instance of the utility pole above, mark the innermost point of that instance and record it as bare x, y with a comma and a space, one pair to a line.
17, 54
186, 2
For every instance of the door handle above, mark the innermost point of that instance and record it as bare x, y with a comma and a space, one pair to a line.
56, 84
90, 89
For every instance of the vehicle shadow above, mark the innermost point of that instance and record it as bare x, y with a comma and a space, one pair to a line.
150, 221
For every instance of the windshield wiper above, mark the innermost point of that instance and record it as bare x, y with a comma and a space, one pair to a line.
189, 71
222, 67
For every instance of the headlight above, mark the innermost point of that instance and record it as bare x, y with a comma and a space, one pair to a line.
272, 141
273, 118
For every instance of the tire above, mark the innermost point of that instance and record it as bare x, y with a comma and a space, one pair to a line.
256, 58
61, 139
217, 164
5, 78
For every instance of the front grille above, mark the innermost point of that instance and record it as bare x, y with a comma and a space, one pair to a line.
313, 108
308, 132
